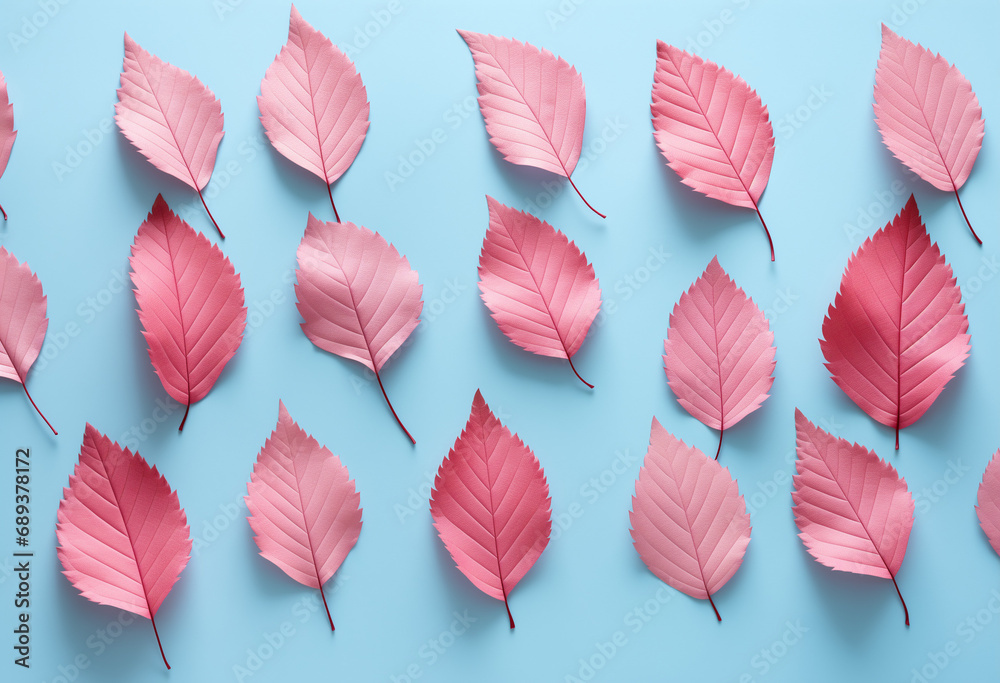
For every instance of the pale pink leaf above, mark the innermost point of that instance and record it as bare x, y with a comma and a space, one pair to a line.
896, 332
7, 132
538, 285
988, 502
712, 128
190, 304
533, 103
927, 113
170, 116
358, 297
304, 508
491, 505
720, 351
313, 105
23, 322
853, 511
123, 537
689, 522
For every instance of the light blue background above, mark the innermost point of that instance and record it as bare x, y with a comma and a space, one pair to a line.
398, 589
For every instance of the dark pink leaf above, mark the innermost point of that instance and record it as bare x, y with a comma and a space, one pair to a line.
491, 505
896, 333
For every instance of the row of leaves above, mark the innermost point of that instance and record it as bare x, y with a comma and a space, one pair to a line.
490, 502
710, 125
124, 539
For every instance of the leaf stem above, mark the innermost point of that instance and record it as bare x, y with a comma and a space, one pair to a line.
959, 206
719, 449
509, 616
906, 612
330, 192
187, 409
584, 198
3, 212
327, 607
712, 602
389, 403
37, 410
766, 231
200, 196
570, 359
157, 634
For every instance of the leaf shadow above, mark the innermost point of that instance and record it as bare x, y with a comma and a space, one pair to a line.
850, 600
145, 179
304, 185
548, 370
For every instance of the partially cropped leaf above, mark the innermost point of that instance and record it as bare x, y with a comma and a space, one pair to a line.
7, 132
22, 322
988, 502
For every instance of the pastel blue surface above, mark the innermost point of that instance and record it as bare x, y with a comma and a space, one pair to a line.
76, 192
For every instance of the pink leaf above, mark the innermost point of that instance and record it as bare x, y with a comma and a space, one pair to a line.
896, 333
712, 128
927, 114
304, 508
853, 511
171, 117
988, 502
123, 537
719, 351
359, 298
22, 322
7, 132
533, 104
190, 304
491, 505
689, 522
313, 104
537, 284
